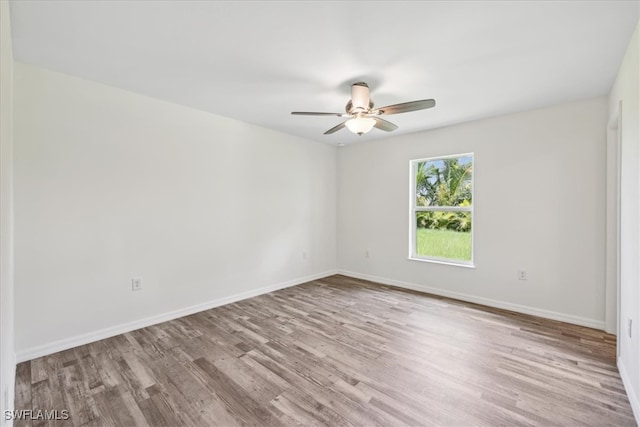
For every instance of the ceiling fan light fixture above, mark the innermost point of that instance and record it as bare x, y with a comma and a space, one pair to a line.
360, 125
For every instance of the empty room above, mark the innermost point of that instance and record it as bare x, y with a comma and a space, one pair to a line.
319, 213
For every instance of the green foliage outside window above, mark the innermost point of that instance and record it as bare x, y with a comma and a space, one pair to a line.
440, 220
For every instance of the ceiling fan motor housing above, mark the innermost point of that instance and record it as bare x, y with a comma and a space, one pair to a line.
360, 99
351, 109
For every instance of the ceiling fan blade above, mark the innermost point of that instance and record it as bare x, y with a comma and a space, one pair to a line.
309, 113
405, 107
384, 125
335, 128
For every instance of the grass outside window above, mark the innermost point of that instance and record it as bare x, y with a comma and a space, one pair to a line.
445, 244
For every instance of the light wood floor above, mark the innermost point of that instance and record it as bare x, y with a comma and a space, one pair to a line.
337, 351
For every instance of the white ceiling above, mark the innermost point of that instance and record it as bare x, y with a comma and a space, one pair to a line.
257, 61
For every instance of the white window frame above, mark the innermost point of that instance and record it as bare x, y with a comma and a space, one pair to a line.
413, 209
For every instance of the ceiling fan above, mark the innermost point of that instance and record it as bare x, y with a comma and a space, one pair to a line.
363, 117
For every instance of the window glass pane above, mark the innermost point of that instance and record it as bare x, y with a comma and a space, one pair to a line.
444, 235
444, 182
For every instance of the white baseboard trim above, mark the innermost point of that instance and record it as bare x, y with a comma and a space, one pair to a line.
67, 343
631, 393
568, 318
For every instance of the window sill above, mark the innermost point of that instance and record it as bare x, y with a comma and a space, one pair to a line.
441, 261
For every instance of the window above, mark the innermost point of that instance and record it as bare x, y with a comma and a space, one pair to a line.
442, 209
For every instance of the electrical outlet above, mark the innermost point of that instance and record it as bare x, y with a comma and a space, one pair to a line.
136, 284
629, 324
522, 275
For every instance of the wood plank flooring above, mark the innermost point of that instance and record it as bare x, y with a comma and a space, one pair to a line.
336, 351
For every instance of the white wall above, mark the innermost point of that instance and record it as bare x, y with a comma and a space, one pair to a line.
626, 89
110, 185
7, 351
539, 206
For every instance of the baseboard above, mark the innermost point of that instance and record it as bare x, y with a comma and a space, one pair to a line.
576, 320
631, 393
67, 343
